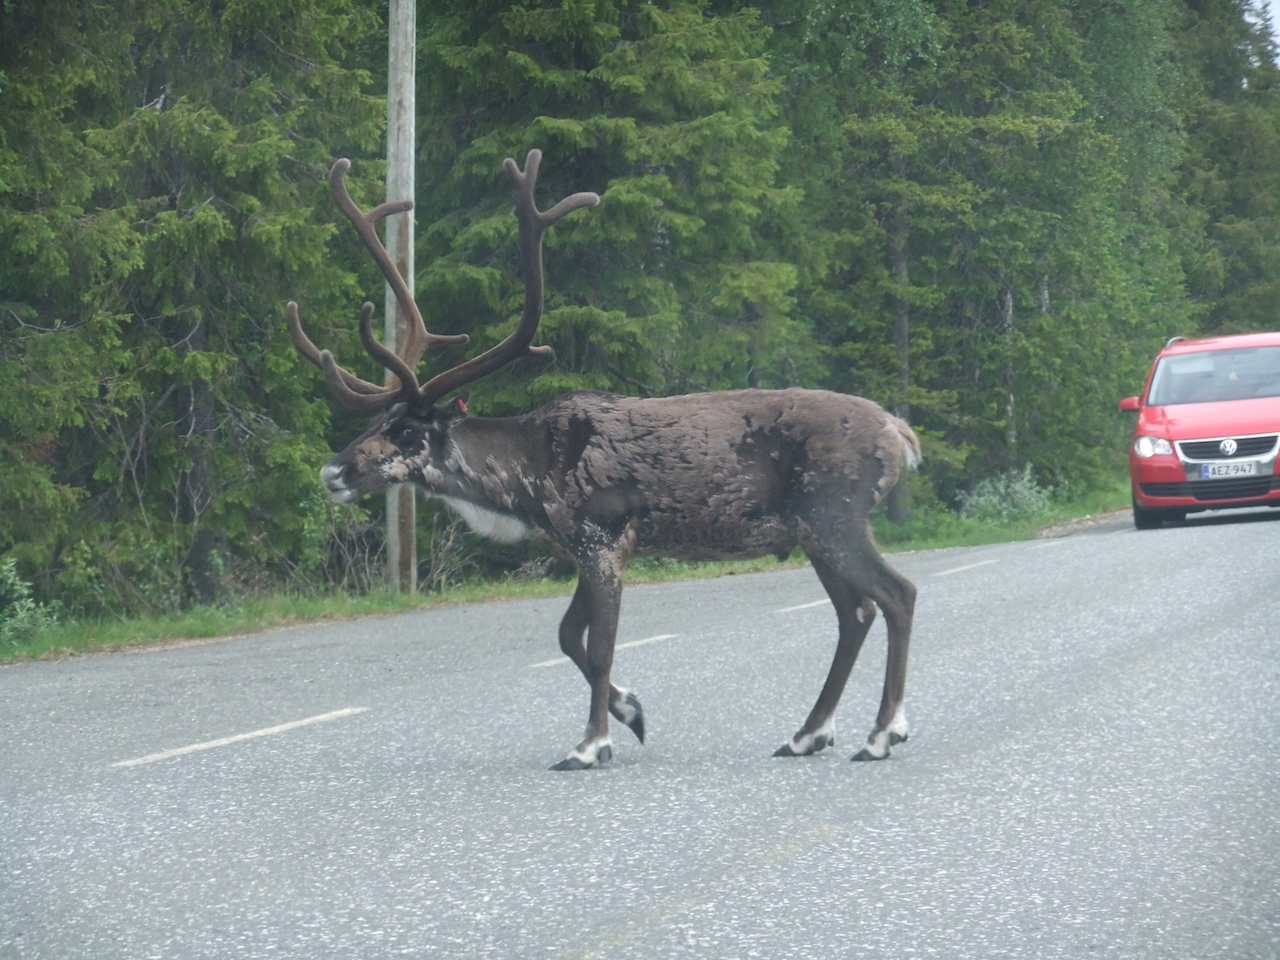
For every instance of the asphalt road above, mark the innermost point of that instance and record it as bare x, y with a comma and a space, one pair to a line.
1092, 772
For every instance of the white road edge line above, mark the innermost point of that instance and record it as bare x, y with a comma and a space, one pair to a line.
252, 735
967, 566
621, 646
804, 606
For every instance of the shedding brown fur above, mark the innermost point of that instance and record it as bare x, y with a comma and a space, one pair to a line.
603, 478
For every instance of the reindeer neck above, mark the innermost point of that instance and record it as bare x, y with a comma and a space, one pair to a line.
480, 474
501, 439
485, 461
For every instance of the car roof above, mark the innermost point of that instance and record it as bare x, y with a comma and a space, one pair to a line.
1223, 343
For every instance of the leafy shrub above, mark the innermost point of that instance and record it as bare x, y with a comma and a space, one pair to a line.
1006, 498
21, 617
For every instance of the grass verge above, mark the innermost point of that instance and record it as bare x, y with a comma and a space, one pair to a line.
926, 530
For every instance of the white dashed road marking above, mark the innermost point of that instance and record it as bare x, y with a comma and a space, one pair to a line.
621, 646
967, 566
804, 606
252, 735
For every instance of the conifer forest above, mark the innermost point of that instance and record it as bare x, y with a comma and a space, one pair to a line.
985, 216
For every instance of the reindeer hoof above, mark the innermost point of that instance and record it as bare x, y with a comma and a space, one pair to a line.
866, 754
881, 740
629, 712
807, 745
572, 762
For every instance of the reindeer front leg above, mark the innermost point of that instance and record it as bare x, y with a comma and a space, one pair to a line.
597, 601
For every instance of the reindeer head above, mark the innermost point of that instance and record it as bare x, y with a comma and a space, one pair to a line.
405, 444
409, 440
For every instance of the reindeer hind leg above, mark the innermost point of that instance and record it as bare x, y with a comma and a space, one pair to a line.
845, 549
854, 614
896, 596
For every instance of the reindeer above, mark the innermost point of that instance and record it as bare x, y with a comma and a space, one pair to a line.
603, 478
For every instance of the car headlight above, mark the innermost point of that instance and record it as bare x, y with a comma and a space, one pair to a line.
1150, 446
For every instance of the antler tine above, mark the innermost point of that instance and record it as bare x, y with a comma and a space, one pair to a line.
350, 390
388, 358
354, 395
419, 338
300, 338
532, 223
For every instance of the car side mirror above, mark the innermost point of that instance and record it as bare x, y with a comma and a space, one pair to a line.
1130, 404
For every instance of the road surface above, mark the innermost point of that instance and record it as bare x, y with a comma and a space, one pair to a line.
1092, 772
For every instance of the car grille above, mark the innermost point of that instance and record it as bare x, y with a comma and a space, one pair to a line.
1210, 450
1246, 488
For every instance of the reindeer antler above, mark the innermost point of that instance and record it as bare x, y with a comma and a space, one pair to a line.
533, 223
350, 390
357, 394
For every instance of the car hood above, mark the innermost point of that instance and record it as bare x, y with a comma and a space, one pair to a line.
1186, 421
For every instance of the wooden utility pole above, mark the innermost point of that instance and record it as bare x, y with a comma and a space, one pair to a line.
402, 544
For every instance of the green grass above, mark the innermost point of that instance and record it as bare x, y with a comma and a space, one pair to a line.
260, 613
933, 529
926, 530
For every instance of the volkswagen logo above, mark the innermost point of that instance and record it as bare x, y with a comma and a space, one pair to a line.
1228, 447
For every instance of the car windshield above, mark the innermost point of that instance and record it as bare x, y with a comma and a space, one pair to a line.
1216, 375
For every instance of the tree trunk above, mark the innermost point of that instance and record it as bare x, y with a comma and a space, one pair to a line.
197, 486
899, 500
1006, 331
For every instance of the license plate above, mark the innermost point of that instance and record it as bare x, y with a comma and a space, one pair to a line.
1218, 471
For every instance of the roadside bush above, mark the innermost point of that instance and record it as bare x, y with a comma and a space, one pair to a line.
21, 617
1006, 498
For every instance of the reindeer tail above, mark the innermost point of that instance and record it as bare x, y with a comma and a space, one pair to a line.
896, 446
911, 453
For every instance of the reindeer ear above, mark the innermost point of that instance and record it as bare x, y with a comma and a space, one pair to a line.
455, 411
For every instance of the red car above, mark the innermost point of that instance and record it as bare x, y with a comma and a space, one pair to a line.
1208, 428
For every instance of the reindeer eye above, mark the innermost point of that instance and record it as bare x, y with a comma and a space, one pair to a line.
406, 434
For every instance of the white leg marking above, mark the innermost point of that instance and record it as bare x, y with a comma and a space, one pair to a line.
878, 745
824, 736
898, 726
880, 741
588, 753
625, 711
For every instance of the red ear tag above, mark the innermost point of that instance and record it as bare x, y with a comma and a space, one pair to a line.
462, 405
